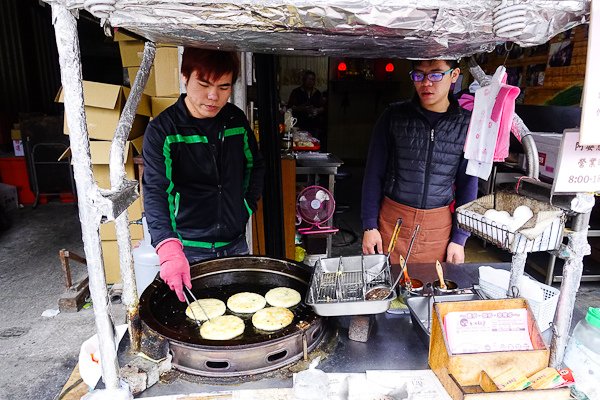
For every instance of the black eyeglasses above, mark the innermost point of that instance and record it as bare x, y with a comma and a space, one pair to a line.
417, 76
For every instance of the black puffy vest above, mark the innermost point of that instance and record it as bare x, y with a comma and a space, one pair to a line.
423, 164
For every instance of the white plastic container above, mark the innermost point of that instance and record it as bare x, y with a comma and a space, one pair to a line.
582, 356
145, 261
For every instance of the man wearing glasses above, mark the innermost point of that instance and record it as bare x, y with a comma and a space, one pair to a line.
415, 170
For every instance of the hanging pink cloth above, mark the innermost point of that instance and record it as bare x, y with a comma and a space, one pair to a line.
488, 137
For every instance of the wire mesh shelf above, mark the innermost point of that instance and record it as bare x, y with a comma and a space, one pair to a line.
542, 232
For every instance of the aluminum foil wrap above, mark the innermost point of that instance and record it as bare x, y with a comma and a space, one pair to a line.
352, 28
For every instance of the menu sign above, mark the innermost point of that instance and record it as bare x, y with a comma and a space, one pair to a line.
590, 112
578, 166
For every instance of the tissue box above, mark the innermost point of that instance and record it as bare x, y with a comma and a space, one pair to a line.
460, 374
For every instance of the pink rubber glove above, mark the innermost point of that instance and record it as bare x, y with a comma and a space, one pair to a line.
174, 267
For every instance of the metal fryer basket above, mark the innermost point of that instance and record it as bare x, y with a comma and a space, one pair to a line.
338, 285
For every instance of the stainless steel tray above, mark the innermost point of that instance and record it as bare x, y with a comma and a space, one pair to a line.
420, 308
338, 285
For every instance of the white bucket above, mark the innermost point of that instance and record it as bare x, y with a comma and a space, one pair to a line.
145, 262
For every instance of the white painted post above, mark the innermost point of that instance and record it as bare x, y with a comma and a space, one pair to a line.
65, 27
117, 179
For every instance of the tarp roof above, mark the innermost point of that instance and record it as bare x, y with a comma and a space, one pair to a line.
365, 28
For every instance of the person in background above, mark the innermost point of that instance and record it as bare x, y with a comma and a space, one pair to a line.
415, 170
203, 173
307, 105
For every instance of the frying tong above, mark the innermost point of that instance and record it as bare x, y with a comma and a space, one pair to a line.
191, 308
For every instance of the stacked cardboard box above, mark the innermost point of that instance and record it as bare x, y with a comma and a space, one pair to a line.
103, 106
163, 82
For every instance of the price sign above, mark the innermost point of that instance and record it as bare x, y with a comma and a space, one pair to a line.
578, 166
590, 110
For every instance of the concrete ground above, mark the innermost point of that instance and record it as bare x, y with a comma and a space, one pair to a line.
37, 354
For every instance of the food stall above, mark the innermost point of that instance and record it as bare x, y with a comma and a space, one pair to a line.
434, 29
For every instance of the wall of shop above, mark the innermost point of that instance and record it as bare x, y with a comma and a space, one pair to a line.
549, 74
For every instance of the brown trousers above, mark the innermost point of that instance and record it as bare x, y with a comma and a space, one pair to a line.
431, 241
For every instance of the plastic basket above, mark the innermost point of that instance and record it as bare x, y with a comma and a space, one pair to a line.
543, 311
549, 219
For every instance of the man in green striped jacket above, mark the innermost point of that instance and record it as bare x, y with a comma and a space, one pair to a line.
203, 173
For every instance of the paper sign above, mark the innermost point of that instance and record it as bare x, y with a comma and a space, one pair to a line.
590, 112
578, 166
487, 331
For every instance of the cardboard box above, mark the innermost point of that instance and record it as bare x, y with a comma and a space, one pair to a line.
460, 374
112, 264
548, 146
164, 74
103, 106
100, 151
9, 199
131, 52
160, 104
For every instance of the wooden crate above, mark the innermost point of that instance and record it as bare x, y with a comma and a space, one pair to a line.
460, 374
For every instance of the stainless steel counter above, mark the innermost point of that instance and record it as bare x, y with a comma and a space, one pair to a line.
393, 343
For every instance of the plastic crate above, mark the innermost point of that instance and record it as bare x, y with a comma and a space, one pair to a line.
544, 231
542, 310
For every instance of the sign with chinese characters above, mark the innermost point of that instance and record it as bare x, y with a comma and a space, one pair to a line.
590, 110
578, 166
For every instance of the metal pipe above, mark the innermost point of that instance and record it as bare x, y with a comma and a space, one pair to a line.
65, 27
271, 148
577, 248
516, 271
239, 98
518, 127
117, 179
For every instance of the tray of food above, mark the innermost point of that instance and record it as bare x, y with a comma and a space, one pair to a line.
338, 286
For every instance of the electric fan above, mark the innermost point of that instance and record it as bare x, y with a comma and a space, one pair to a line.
315, 206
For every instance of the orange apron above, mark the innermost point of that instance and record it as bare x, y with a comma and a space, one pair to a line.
434, 232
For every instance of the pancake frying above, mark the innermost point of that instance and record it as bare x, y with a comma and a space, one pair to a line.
224, 327
283, 297
246, 303
213, 307
272, 318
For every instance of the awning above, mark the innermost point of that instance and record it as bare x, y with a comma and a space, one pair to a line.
352, 28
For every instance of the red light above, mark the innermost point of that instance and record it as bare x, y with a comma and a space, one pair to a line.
389, 67
342, 66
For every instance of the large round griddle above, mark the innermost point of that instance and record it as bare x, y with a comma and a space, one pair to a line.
255, 350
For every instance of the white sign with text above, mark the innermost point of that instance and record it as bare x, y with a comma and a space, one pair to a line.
578, 166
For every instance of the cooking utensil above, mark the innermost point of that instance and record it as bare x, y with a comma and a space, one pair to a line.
347, 296
440, 273
393, 239
379, 293
451, 287
191, 308
390, 250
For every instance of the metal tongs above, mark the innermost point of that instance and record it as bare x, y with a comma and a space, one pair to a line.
384, 293
390, 250
192, 308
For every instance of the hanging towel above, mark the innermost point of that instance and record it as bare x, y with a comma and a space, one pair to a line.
491, 119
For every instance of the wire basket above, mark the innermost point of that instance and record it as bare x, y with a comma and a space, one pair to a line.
544, 231
543, 311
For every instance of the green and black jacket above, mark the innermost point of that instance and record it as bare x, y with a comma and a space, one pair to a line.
202, 177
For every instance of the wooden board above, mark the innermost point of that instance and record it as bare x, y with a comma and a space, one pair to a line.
75, 388
458, 392
466, 368
460, 374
